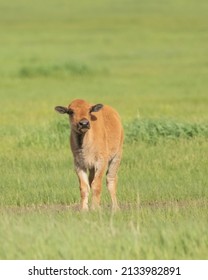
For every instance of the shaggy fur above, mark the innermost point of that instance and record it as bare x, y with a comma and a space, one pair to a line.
96, 143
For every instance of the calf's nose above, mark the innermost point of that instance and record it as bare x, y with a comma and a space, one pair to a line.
84, 123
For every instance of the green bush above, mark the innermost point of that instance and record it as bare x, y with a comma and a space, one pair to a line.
56, 133
65, 69
153, 130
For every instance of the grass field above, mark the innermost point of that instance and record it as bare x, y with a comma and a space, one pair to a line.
149, 60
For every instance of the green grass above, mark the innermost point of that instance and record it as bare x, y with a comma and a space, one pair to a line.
52, 233
148, 60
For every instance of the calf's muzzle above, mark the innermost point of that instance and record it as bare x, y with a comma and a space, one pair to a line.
83, 125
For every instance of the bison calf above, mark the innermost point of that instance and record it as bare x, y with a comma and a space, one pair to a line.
96, 142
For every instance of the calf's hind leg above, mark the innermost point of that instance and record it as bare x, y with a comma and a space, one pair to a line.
91, 175
112, 178
96, 186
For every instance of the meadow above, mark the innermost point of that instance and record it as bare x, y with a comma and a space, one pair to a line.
147, 59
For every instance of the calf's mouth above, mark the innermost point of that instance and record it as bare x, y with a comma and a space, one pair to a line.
83, 125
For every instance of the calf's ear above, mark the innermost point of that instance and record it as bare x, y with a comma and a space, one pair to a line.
96, 108
62, 110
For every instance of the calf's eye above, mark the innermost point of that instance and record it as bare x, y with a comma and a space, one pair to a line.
70, 112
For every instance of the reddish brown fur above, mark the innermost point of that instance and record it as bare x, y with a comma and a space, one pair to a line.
96, 148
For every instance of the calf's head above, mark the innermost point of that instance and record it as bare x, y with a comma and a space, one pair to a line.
80, 114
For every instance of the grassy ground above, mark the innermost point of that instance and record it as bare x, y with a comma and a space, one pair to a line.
149, 61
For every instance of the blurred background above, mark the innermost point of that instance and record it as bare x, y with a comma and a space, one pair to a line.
144, 57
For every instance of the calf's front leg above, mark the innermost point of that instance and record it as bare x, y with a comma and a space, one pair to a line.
84, 188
